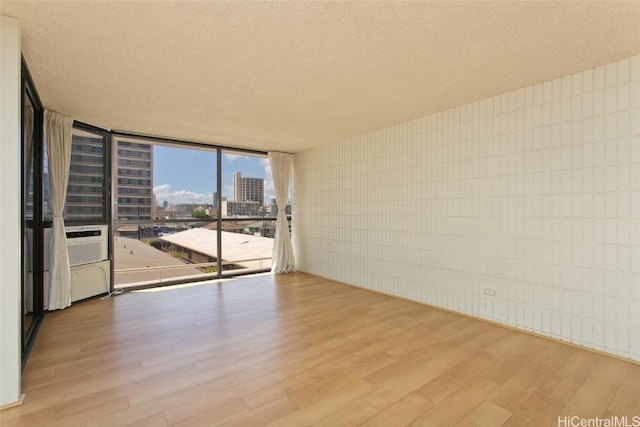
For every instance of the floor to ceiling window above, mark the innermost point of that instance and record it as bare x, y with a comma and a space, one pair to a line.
169, 201
248, 212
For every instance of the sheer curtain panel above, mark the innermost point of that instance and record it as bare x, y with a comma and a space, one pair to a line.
27, 124
27, 130
57, 134
283, 259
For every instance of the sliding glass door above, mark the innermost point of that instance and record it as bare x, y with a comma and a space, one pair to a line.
248, 212
185, 212
164, 207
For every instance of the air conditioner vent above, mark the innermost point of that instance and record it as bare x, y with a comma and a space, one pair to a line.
87, 243
86, 233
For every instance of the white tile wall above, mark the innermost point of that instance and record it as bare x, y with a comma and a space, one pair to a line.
533, 193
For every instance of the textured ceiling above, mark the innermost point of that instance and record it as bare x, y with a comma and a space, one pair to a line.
292, 75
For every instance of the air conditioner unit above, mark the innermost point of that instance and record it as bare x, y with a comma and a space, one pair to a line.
88, 280
87, 243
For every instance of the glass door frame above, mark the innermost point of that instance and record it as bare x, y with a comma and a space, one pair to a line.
219, 150
29, 332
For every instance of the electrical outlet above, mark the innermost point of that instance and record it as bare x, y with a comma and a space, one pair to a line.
490, 292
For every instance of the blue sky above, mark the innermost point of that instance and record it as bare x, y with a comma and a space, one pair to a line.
182, 175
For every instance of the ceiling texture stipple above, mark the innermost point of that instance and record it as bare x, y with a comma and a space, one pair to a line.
288, 76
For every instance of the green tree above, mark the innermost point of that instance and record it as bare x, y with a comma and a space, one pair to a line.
200, 215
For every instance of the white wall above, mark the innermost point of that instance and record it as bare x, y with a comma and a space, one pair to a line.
10, 318
534, 193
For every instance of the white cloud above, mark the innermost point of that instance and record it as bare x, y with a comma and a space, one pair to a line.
165, 192
231, 157
269, 192
161, 189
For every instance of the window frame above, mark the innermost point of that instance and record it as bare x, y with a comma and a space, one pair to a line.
106, 182
219, 150
35, 221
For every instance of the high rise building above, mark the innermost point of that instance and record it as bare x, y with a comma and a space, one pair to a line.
85, 190
253, 190
134, 187
248, 189
215, 199
232, 209
237, 187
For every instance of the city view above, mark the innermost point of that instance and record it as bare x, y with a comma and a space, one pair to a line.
170, 195
166, 209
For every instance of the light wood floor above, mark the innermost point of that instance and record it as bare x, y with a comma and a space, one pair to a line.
298, 350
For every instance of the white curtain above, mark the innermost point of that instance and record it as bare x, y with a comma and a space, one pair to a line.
27, 131
57, 135
283, 259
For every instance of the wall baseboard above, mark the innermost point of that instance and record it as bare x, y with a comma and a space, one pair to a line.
13, 404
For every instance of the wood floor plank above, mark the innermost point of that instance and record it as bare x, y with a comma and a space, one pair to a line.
514, 352
97, 382
296, 350
405, 366
538, 410
455, 378
627, 398
216, 415
181, 405
217, 397
320, 390
277, 390
401, 412
156, 420
486, 414
458, 405
318, 401
77, 412
518, 388
562, 385
263, 415
595, 394
354, 414
413, 380
150, 389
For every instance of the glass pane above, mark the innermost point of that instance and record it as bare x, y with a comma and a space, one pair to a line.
133, 167
162, 191
46, 195
248, 213
166, 207
27, 193
86, 195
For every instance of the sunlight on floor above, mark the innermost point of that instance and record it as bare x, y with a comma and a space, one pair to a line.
192, 284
